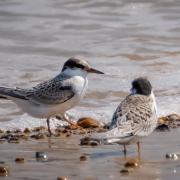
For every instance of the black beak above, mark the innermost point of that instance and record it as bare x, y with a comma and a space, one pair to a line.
91, 70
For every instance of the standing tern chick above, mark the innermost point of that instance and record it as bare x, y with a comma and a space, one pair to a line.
135, 117
55, 96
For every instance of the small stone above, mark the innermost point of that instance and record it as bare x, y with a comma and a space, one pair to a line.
89, 141
8, 132
62, 178
172, 156
40, 128
27, 130
1, 131
17, 131
83, 158
163, 128
88, 122
93, 143
23, 136
58, 134
68, 134
4, 171
41, 156
19, 160
85, 141
132, 163
172, 120
173, 117
65, 131
38, 136
124, 171
13, 140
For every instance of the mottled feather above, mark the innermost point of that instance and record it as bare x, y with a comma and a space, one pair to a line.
54, 91
136, 113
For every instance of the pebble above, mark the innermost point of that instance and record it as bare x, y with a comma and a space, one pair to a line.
124, 171
85, 141
41, 156
1, 131
19, 160
68, 134
88, 122
83, 158
132, 163
4, 171
17, 131
24, 136
40, 128
38, 136
93, 143
172, 156
89, 141
173, 117
163, 128
27, 130
13, 140
62, 178
172, 121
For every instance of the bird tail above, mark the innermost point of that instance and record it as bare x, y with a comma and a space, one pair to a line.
113, 136
7, 93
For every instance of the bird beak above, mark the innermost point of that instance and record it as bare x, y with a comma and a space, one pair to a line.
91, 70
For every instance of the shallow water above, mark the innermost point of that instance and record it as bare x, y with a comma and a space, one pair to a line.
125, 39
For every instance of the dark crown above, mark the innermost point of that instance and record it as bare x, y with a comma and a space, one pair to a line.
75, 63
142, 86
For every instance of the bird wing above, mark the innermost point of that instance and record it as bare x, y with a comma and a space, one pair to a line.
134, 114
54, 91
133, 117
6, 93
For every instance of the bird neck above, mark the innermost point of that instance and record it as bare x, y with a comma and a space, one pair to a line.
154, 100
75, 72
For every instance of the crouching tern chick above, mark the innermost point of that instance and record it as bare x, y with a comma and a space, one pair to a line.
135, 117
55, 96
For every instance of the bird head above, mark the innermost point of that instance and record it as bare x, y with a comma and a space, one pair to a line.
80, 64
141, 86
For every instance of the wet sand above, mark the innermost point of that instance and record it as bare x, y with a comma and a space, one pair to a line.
103, 161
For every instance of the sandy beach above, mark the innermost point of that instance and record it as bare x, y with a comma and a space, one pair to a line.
102, 162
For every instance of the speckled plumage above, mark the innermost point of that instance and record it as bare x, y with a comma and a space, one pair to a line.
55, 91
136, 113
135, 117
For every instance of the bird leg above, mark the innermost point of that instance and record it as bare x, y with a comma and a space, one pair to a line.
138, 149
68, 120
48, 125
125, 151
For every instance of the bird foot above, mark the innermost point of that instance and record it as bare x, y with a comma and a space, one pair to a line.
74, 126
